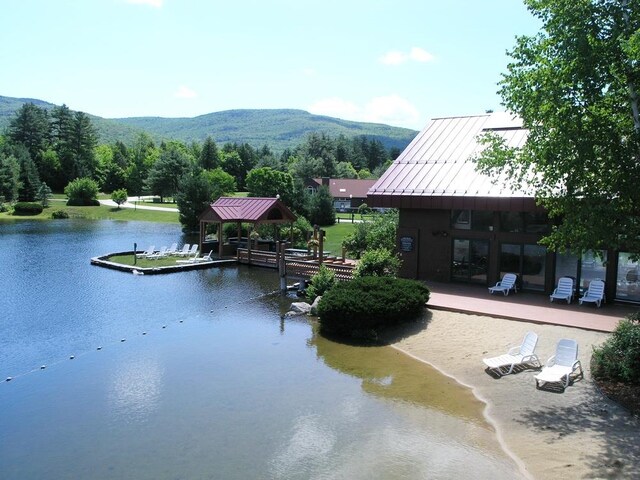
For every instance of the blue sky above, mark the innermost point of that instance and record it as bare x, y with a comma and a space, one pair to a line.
399, 62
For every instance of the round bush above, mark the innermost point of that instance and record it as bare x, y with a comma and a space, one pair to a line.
619, 356
27, 208
360, 307
59, 214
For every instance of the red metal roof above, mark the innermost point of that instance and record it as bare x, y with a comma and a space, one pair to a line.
248, 209
343, 187
439, 163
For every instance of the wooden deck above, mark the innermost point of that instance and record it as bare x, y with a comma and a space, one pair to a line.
529, 307
297, 266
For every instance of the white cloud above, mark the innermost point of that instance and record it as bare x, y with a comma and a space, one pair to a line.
420, 55
416, 54
309, 72
391, 110
151, 3
185, 92
394, 58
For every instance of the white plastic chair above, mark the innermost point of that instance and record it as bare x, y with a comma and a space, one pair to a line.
160, 254
147, 252
562, 365
594, 294
185, 250
173, 249
564, 290
523, 354
507, 283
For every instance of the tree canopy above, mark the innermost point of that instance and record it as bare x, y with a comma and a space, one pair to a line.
575, 86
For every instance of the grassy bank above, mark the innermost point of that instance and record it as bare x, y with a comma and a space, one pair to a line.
98, 213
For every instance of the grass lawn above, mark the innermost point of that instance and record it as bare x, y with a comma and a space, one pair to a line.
143, 262
98, 213
335, 235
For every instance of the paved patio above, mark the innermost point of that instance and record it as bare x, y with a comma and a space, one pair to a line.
530, 307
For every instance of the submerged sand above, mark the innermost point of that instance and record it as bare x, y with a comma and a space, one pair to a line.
577, 433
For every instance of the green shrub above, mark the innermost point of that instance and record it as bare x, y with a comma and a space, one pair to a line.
59, 214
120, 196
27, 208
360, 307
619, 357
82, 192
321, 282
378, 263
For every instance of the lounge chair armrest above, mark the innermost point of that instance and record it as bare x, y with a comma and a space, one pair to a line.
576, 364
513, 351
551, 362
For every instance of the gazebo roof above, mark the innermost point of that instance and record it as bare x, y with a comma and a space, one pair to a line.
248, 209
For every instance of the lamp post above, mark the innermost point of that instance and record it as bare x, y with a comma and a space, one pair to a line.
351, 206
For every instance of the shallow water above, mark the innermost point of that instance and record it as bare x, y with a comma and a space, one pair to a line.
220, 386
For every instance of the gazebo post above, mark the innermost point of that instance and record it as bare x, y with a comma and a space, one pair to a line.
249, 246
320, 246
220, 239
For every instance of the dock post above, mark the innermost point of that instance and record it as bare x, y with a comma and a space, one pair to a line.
282, 266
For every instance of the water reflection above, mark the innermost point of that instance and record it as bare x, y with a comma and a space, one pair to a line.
136, 387
388, 373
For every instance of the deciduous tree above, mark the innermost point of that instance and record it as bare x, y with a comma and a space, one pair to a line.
575, 86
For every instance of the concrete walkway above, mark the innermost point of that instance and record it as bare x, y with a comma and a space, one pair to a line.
131, 203
530, 307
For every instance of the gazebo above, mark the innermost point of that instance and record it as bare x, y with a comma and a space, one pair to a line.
238, 210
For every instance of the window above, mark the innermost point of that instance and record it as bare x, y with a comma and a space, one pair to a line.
536, 222
511, 222
628, 278
478, 220
470, 260
593, 267
527, 261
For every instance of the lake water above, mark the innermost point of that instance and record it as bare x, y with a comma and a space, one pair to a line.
210, 382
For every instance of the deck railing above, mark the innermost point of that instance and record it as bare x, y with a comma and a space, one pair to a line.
296, 265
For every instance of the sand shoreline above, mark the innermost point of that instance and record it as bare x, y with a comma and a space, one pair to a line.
549, 434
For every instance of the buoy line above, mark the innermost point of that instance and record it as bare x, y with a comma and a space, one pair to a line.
98, 348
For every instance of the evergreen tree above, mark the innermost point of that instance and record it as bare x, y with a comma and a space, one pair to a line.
321, 210
9, 176
62, 138
164, 175
31, 128
29, 180
209, 156
84, 141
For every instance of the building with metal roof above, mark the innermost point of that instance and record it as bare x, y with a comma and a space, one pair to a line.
238, 210
458, 224
347, 193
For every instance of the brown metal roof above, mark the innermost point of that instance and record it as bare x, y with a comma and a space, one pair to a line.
439, 163
248, 209
343, 187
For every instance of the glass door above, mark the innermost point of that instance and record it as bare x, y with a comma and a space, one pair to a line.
527, 261
470, 260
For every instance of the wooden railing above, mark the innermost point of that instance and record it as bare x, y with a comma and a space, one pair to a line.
295, 265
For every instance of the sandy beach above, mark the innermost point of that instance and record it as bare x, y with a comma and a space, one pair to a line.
550, 434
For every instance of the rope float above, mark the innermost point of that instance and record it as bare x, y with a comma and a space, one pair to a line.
122, 340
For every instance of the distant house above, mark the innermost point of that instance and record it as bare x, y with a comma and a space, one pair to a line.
457, 224
347, 193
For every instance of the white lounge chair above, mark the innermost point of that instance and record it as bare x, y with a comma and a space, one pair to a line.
562, 365
173, 249
159, 254
193, 251
523, 354
147, 252
204, 258
185, 250
564, 290
594, 294
505, 285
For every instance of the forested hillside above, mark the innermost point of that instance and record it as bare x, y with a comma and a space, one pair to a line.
48, 148
278, 129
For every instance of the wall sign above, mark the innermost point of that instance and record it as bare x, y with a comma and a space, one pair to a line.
406, 244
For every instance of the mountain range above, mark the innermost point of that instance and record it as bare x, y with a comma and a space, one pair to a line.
277, 128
